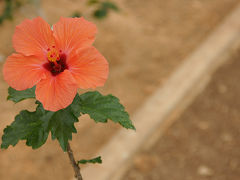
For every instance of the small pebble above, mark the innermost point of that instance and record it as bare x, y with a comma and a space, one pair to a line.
204, 171
227, 137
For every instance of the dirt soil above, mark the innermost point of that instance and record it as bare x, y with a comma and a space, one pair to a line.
203, 144
144, 43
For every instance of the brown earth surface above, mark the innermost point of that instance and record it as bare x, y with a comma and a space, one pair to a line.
203, 143
144, 43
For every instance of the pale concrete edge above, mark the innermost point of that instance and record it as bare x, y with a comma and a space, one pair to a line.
228, 34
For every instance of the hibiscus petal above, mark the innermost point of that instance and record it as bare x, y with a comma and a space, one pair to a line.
33, 37
56, 92
73, 33
89, 68
23, 72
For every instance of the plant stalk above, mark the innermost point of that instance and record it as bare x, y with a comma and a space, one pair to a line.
75, 166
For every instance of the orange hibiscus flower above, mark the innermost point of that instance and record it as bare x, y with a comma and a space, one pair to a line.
58, 60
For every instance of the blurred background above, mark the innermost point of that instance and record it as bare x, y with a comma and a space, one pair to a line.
144, 42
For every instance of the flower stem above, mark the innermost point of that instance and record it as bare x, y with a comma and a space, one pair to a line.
75, 166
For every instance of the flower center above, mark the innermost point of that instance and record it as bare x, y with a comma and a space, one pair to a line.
53, 54
56, 61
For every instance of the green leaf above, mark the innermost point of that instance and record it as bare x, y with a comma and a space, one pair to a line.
100, 13
103, 9
8, 8
34, 127
17, 96
101, 108
60, 123
91, 2
62, 126
27, 126
110, 5
7, 11
75, 106
94, 160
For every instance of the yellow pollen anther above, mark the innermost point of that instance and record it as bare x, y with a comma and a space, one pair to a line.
53, 55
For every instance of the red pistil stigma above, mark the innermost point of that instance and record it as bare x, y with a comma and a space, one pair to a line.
53, 46
48, 49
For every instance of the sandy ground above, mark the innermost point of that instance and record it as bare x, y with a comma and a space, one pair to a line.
144, 43
203, 144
